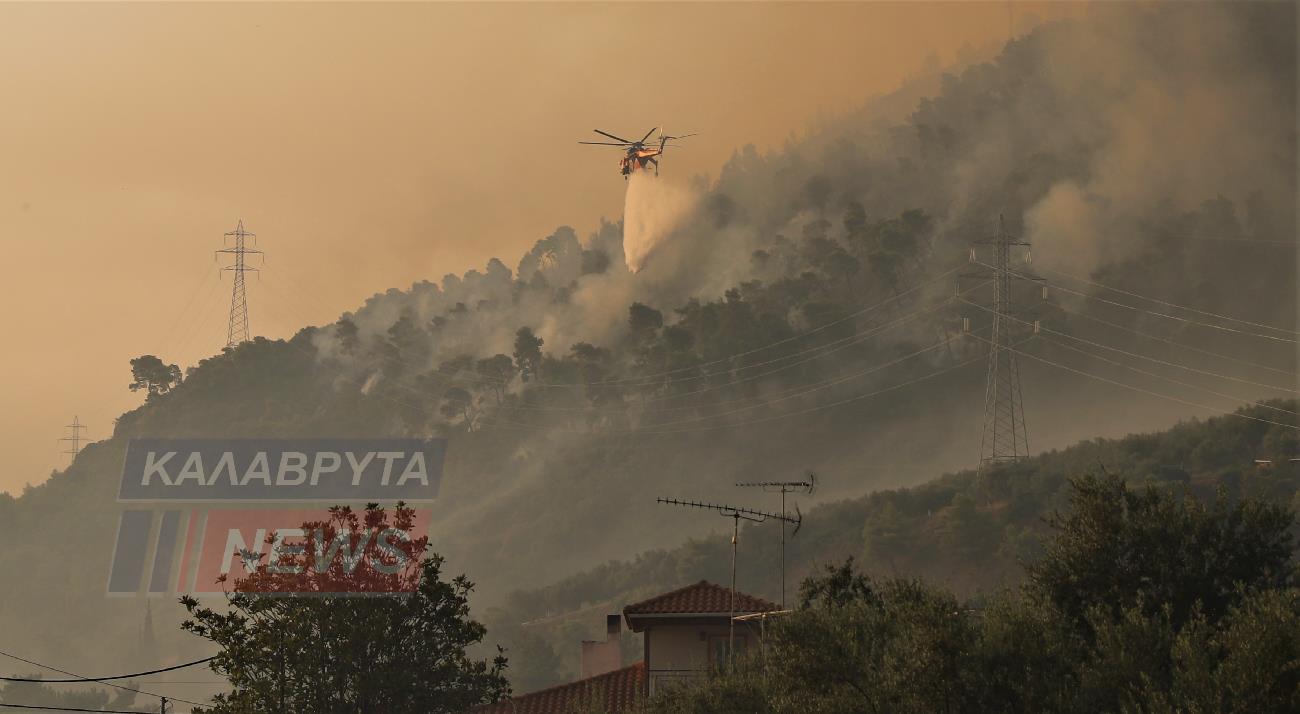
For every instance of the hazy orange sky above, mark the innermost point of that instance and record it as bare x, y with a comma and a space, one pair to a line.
369, 146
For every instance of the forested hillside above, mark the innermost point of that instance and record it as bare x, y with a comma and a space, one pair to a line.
805, 312
969, 532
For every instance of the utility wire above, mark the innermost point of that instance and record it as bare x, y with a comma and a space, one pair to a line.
1170, 379
170, 334
111, 684
99, 679
1180, 345
1165, 315
7, 705
830, 405
1170, 304
1140, 390
648, 379
1141, 356
658, 428
1176, 318
1246, 241
820, 350
858, 337
798, 389
494, 420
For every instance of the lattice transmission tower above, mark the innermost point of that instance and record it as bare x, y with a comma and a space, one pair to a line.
1005, 437
74, 437
236, 244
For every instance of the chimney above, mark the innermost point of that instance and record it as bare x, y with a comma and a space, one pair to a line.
601, 657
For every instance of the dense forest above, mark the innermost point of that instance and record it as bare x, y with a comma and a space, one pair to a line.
805, 312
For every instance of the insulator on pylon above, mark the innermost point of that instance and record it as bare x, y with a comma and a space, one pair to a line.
965, 324
972, 256
1038, 326
1044, 292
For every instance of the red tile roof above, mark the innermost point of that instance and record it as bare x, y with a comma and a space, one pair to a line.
619, 689
702, 597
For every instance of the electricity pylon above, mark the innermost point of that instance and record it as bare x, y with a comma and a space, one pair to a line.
1004, 437
74, 439
237, 328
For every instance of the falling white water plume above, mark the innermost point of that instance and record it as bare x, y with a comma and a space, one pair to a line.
652, 208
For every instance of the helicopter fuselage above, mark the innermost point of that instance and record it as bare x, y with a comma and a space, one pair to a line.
638, 158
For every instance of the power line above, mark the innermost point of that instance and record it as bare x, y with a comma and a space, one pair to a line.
830, 405
848, 341
1171, 304
830, 348
1169, 379
1148, 391
828, 325
804, 391
202, 282
7, 705
800, 412
205, 313
1176, 318
1146, 357
1240, 241
646, 380
103, 680
1180, 345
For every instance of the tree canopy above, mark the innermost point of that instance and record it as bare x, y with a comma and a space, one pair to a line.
1144, 602
379, 633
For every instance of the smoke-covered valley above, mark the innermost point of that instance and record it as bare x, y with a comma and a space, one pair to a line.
801, 311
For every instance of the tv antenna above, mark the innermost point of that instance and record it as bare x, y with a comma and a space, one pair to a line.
808, 485
735, 513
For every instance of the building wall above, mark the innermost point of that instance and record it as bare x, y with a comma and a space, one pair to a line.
680, 652
601, 657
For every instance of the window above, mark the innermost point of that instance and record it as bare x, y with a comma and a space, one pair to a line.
718, 649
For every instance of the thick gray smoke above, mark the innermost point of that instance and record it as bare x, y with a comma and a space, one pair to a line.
1088, 136
1184, 106
1112, 142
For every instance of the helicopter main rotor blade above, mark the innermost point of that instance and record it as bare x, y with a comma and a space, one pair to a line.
647, 134
605, 133
604, 143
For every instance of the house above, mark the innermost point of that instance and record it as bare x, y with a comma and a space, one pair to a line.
686, 632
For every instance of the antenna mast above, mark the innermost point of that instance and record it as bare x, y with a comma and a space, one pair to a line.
237, 328
807, 486
735, 513
74, 438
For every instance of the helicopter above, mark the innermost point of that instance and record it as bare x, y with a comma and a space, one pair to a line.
639, 155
